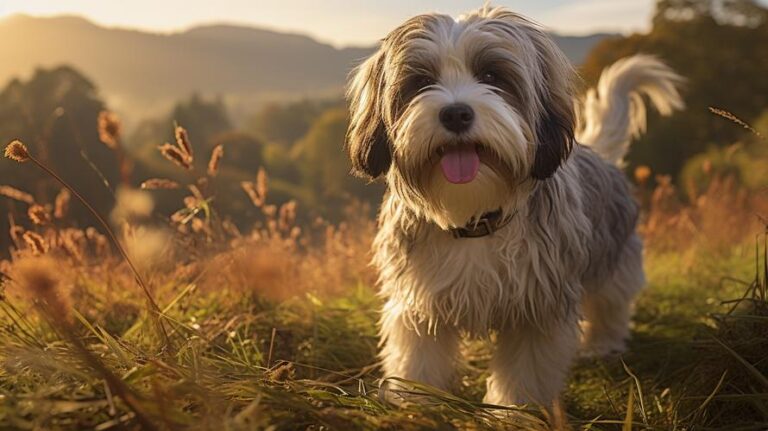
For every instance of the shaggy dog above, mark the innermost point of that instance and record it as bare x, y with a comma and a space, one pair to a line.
504, 212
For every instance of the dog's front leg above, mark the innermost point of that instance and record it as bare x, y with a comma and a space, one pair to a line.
530, 364
411, 352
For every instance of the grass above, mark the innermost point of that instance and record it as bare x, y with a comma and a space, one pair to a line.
277, 329
243, 362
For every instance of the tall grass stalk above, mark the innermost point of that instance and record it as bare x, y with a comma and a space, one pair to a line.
14, 152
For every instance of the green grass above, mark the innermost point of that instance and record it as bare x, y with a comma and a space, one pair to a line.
239, 362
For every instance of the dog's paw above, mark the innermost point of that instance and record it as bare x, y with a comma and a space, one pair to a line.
604, 348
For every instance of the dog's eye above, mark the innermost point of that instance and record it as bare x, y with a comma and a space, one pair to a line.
424, 81
489, 77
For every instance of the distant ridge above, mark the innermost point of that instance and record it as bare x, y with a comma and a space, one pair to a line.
142, 73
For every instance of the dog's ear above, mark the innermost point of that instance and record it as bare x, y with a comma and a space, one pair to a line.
556, 126
367, 143
555, 133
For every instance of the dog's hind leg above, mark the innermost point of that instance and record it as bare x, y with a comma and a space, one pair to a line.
607, 305
411, 352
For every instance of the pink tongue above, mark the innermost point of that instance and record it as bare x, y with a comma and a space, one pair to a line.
460, 164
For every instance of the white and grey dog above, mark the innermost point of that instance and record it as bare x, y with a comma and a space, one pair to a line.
495, 219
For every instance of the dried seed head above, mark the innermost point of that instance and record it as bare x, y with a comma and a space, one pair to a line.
729, 116
179, 216
642, 174
16, 194
99, 241
182, 141
17, 232
269, 210
191, 202
35, 242
131, 205
213, 163
62, 204
17, 151
250, 189
257, 191
109, 129
159, 184
39, 215
231, 228
73, 242
198, 225
196, 192
37, 278
287, 215
295, 233
261, 183
176, 156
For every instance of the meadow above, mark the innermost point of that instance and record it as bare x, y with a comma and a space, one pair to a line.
145, 322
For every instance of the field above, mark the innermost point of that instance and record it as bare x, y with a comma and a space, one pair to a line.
192, 324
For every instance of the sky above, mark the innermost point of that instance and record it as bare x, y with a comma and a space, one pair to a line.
340, 22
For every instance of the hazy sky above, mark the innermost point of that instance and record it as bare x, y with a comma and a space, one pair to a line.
341, 22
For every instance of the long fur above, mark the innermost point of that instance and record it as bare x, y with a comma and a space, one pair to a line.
614, 113
570, 250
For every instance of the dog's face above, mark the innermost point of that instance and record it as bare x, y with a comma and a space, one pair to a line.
462, 116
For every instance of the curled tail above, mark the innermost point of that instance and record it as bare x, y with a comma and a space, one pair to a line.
614, 113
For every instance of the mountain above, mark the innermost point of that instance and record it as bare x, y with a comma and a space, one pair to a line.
577, 48
141, 73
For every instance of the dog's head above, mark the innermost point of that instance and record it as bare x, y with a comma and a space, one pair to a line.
462, 116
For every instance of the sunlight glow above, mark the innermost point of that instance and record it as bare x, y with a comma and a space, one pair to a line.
341, 22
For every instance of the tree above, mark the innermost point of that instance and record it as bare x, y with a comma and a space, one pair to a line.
721, 48
324, 165
284, 124
55, 113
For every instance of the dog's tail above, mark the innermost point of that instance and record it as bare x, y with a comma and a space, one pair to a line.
614, 113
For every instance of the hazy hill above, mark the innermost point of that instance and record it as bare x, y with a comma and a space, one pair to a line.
141, 73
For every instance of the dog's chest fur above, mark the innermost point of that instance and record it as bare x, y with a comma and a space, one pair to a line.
527, 273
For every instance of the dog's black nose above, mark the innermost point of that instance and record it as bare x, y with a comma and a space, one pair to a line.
457, 117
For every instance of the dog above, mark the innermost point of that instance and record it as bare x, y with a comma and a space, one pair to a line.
506, 211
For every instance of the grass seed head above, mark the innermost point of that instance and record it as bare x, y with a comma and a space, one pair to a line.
36, 243
256, 191
182, 141
39, 215
17, 151
73, 242
159, 184
110, 129
38, 280
642, 174
176, 156
61, 209
16, 194
213, 163
16, 233
132, 205
262, 183
287, 216
99, 242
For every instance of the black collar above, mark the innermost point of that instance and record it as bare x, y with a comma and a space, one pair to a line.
486, 225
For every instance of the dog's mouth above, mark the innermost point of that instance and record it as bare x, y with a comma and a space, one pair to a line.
460, 162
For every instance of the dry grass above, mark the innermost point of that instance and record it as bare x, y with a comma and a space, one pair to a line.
718, 219
275, 328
